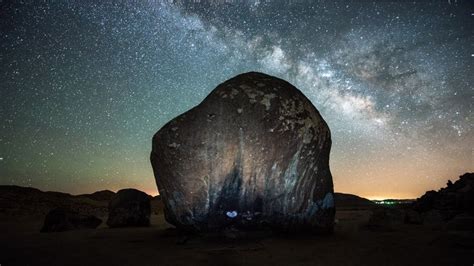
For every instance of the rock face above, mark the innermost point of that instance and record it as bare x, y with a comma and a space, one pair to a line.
63, 219
129, 207
254, 153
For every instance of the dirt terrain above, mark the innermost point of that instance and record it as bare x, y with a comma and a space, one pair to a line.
356, 240
351, 244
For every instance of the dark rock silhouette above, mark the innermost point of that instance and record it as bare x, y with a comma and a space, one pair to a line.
445, 204
129, 207
426, 202
449, 208
65, 219
254, 153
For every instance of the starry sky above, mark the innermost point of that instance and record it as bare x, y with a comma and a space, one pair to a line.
86, 84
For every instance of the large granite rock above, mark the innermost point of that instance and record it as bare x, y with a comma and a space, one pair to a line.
254, 153
129, 207
65, 219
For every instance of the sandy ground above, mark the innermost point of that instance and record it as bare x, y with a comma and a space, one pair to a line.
22, 244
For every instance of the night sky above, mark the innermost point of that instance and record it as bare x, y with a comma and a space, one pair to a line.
85, 85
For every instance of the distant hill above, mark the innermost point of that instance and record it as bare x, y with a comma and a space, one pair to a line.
20, 201
349, 201
17, 201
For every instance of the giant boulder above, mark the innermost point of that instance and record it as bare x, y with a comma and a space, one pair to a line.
254, 153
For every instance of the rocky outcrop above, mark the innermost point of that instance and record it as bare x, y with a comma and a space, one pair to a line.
254, 153
450, 207
65, 219
454, 199
129, 207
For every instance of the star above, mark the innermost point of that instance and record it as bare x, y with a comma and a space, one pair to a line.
93, 82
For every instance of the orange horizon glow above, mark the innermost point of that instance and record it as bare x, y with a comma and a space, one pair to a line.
154, 193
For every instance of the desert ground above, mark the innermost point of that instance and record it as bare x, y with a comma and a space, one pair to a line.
21, 243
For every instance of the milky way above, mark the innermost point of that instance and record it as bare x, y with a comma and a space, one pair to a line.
85, 85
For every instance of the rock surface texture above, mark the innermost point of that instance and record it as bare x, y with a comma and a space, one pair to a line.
129, 207
254, 153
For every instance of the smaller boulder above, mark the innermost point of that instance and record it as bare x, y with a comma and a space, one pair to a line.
64, 219
426, 202
129, 207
